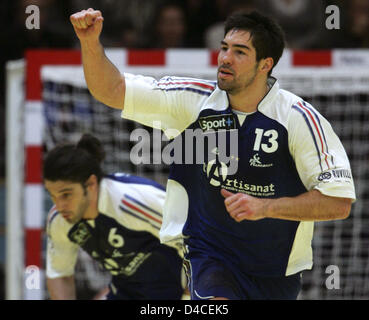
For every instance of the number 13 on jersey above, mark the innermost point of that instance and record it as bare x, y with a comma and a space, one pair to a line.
272, 144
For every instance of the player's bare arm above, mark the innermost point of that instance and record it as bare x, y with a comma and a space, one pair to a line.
104, 80
61, 288
309, 206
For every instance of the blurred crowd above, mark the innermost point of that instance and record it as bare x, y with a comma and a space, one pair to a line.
174, 24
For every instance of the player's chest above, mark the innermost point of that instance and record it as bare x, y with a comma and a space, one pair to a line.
105, 237
258, 141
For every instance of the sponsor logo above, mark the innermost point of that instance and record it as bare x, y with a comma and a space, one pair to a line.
219, 122
216, 172
343, 173
335, 174
251, 189
192, 146
135, 263
325, 176
81, 234
255, 162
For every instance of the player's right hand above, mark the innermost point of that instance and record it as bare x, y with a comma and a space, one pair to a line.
87, 24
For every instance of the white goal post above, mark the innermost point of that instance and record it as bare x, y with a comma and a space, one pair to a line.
47, 94
14, 180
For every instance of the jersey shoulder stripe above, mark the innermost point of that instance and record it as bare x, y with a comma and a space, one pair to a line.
158, 214
137, 215
201, 92
51, 215
187, 82
321, 128
317, 133
125, 209
133, 208
199, 86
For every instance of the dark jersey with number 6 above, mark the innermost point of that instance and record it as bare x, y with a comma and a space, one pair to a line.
123, 239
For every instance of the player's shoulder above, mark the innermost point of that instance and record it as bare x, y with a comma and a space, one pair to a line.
168, 83
197, 85
116, 188
286, 100
277, 104
286, 107
51, 215
299, 111
126, 180
56, 225
131, 199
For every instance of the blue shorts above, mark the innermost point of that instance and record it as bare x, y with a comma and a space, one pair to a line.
209, 278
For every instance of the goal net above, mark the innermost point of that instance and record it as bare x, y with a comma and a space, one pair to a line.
58, 107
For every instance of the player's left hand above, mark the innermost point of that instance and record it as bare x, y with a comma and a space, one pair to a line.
242, 206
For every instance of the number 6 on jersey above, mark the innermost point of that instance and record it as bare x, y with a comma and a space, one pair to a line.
116, 240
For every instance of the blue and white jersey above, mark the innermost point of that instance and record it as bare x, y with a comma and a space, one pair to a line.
123, 238
285, 148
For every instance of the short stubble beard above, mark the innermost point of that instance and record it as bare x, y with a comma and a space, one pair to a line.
233, 87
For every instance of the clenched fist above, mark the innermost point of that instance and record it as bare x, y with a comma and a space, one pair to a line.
87, 24
244, 207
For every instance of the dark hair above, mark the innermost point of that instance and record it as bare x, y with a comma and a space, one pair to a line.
266, 35
75, 162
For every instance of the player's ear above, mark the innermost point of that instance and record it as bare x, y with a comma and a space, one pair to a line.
91, 183
266, 64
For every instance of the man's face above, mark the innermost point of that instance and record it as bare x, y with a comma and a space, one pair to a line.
70, 198
237, 65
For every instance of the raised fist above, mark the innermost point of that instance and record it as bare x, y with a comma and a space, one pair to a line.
87, 24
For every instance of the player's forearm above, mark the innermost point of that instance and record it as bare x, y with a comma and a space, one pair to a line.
61, 288
309, 206
103, 79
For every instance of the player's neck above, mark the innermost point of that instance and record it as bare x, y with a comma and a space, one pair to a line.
91, 213
92, 210
248, 99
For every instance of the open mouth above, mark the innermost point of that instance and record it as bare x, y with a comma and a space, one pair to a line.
223, 72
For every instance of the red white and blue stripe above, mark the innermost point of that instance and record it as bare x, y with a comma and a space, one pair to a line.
52, 214
141, 211
326, 161
187, 84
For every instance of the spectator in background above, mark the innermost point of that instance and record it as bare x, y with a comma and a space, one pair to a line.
53, 32
128, 20
214, 34
129, 37
303, 21
358, 15
354, 26
169, 26
200, 15
123, 35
